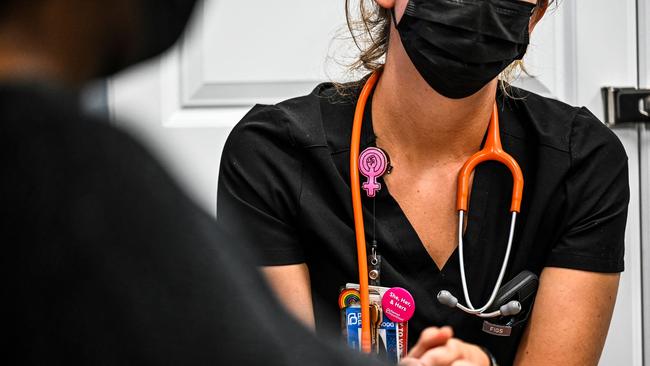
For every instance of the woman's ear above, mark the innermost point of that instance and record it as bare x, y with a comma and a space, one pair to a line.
386, 4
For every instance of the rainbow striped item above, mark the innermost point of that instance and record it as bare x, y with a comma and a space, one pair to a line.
348, 297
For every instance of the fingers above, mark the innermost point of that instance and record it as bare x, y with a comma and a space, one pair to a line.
431, 338
436, 347
409, 361
464, 363
444, 355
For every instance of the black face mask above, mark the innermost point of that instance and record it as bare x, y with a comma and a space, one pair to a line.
458, 46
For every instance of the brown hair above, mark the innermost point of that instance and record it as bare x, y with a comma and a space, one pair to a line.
369, 25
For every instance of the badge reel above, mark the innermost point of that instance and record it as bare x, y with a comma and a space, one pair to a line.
390, 308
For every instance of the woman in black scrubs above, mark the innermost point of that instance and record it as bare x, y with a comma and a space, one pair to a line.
285, 186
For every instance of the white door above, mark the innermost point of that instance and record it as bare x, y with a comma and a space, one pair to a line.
239, 53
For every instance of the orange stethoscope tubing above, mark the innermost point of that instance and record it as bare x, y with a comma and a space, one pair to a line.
355, 186
492, 151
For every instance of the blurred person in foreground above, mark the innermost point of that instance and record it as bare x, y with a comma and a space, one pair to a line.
106, 260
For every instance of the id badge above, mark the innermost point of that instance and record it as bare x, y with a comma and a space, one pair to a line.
389, 339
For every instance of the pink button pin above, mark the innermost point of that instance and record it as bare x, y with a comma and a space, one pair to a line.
373, 163
398, 304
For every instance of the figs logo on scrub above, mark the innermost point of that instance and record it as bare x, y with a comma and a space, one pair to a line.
398, 305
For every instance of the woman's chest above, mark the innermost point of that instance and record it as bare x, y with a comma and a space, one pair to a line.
409, 220
415, 223
427, 200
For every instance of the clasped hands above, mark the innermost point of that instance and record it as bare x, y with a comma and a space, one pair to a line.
438, 347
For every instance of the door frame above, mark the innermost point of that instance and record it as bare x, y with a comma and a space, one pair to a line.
643, 41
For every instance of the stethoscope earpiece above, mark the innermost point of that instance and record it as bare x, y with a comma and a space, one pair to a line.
446, 298
510, 309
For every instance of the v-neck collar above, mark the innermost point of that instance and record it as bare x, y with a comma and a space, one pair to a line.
398, 230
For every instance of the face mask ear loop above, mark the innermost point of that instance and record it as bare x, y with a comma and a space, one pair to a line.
392, 12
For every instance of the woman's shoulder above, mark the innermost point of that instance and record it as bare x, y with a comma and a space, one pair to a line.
558, 125
299, 122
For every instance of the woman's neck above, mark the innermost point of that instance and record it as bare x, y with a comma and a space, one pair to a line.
412, 118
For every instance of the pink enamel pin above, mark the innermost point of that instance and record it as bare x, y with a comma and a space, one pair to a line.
373, 163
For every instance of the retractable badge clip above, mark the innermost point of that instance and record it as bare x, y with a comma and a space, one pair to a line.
374, 268
373, 164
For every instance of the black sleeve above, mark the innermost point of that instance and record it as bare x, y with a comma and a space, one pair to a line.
259, 186
125, 270
597, 192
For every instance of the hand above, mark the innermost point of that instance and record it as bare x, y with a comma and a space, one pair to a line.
437, 347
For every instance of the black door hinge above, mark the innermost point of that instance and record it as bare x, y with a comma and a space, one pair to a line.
626, 105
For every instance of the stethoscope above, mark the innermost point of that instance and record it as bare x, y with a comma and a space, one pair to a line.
492, 151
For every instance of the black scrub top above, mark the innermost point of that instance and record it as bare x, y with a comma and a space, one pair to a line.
284, 187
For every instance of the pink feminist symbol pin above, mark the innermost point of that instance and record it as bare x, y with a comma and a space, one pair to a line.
373, 163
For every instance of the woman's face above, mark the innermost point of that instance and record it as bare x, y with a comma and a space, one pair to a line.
400, 6
469, 61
